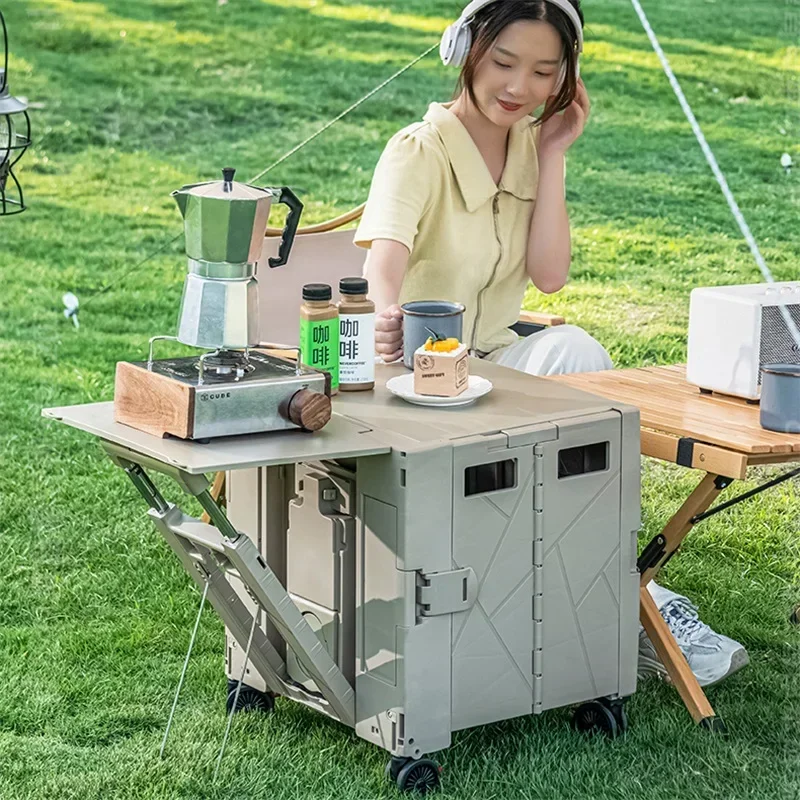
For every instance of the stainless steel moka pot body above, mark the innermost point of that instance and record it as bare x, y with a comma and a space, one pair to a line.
224, 226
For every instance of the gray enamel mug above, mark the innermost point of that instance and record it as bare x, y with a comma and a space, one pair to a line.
780, 397
420, 317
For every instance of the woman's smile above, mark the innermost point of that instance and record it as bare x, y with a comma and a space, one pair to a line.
512, 107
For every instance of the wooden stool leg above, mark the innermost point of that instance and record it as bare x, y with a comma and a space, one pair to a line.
217, 489
678, 668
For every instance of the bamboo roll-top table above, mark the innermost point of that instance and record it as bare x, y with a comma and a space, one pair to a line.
718, 434
725, 431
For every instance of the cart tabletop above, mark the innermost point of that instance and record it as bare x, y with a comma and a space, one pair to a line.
668, 403
340, 438
362, 424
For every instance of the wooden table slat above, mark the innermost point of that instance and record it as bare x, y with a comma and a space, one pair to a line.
656, 404
668, 403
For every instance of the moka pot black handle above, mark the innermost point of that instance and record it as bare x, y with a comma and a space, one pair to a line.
287, 198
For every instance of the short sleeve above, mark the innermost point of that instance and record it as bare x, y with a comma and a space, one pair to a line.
400, 193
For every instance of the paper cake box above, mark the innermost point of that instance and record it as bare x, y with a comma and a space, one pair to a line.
441, 374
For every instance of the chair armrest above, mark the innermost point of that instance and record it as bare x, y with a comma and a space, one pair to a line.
540, 318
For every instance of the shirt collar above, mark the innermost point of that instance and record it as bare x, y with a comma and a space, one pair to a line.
520, 175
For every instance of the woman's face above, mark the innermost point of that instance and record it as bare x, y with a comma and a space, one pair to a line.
518, 72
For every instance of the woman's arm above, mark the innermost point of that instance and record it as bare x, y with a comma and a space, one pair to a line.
549, 247
384, 269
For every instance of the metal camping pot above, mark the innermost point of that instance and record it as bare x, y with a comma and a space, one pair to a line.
780, 397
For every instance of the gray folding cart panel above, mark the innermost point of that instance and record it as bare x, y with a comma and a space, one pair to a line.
583, 559
492, 642
403, 604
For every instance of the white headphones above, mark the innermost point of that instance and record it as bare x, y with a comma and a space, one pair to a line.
457, 39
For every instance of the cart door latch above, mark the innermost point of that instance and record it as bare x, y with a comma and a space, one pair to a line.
446, 592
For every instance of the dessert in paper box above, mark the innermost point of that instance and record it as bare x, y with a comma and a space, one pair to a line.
441, 367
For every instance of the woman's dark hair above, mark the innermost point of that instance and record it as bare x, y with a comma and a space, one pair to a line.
490, 21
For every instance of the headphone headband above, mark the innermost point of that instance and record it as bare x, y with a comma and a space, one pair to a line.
457, 38
476, 5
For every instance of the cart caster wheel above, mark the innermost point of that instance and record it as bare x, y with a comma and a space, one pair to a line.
417, 776
595, 717
617, 708
394, 766
250, 699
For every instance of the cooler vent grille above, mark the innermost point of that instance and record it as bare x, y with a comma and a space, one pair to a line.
777, 344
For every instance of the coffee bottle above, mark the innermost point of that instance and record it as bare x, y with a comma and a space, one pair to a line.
319, 331
356, 336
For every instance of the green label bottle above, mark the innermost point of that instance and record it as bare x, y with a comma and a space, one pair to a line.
319, 331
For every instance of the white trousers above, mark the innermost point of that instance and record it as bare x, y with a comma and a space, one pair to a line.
554, 351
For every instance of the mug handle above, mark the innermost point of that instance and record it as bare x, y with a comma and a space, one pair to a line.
287, 198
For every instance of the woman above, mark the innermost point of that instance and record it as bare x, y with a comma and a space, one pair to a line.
451, 211
469, 205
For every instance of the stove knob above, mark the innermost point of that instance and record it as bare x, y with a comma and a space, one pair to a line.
310, 410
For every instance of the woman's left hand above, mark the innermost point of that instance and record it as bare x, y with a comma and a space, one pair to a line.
561, 130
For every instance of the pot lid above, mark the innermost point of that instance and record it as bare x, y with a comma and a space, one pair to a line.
227, 189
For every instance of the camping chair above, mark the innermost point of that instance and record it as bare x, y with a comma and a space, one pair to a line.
321, 253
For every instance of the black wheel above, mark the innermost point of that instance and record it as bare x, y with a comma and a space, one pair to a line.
250, 699
594, 717
419, 776
394, 766
794, 618
617, 708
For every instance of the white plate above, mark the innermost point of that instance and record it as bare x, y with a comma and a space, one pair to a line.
403, 386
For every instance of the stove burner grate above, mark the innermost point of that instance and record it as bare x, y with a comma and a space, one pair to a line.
225, 364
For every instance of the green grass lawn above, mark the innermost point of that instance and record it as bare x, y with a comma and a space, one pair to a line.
136, 98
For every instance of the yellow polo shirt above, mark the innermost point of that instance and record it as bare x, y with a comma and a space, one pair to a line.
467, 236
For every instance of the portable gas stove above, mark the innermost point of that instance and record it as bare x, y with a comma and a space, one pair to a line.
222, 393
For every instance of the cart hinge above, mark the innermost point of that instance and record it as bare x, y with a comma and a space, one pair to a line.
538, 502
446, 592
537, 665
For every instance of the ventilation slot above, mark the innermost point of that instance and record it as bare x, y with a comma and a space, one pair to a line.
580, 460
483, 478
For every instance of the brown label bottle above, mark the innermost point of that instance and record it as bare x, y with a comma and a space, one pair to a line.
356, 336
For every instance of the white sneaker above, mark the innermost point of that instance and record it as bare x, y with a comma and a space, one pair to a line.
711, 655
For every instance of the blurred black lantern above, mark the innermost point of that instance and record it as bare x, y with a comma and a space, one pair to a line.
15, 136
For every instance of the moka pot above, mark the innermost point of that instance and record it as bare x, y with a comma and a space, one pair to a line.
224, 227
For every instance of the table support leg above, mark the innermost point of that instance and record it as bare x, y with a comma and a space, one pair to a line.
678, 669
681, 675
676, 530
216, 490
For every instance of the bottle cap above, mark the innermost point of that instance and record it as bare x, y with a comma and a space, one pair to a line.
353, 286
317, 291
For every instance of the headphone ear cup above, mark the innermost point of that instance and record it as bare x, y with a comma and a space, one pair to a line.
446, 45
456, 41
